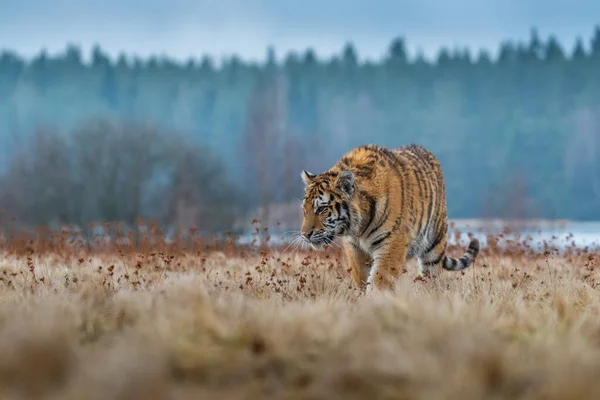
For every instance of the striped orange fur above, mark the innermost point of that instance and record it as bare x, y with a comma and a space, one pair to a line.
389, 205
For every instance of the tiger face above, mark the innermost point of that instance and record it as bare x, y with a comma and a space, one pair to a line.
326, 206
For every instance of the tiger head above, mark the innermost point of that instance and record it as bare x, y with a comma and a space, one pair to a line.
327, 206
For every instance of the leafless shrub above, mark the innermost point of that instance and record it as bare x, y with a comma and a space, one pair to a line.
106, 171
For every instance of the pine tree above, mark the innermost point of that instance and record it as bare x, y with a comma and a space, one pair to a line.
553, 51
579, 53
595, 44
349, 56
397, 52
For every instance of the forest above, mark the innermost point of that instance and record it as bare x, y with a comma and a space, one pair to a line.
518, 133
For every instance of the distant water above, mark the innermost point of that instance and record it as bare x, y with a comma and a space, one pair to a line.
569, 234
559, 236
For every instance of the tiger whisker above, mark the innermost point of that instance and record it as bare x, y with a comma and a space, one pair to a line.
291, 244
333, 243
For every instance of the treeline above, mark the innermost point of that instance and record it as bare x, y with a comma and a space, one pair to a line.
518, 134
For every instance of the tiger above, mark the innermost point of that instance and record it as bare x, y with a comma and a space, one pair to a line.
388, 206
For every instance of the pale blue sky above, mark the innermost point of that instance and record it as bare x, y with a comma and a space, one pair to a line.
188, 28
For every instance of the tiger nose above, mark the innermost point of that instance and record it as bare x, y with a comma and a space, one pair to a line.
307, 235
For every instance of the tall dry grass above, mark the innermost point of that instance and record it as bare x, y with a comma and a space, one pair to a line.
197, 319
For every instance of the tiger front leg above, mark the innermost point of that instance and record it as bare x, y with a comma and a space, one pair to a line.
387, 265
359, 263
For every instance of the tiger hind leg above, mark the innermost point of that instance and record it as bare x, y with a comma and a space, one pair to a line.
431, 259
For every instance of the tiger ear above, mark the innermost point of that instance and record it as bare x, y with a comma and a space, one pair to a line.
307, 177
345, 182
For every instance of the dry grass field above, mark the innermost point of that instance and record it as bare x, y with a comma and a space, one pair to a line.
194, 319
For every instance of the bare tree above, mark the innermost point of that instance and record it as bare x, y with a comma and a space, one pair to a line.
511, 199
45, 200
264, 139
117, 172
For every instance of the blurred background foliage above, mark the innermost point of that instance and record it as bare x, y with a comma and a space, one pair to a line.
199, 144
